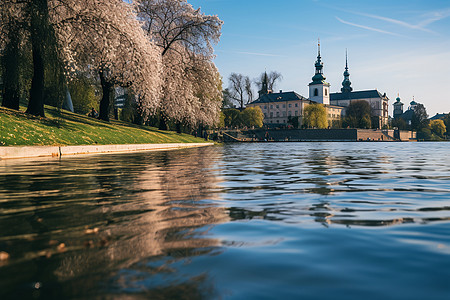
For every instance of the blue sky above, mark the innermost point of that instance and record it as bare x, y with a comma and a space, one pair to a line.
394, 46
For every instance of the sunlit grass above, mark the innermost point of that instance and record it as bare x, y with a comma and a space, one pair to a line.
20, 129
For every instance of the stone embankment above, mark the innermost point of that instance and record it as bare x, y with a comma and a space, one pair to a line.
9, 152
314, 135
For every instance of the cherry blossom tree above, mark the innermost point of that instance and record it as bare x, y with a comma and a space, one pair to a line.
185, 36
105, 37
102, 37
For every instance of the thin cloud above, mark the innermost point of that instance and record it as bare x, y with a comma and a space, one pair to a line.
258, 54
419, 26
367, 27
434, 17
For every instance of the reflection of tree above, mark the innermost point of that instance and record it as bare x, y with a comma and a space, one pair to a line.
163, 215
146, 206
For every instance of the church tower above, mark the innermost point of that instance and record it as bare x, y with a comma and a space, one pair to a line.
319, 89
398, 107
346, 84
264, 86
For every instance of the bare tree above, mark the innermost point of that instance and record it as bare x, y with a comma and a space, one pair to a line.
240, 89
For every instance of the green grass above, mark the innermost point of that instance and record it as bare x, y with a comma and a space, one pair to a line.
20, 129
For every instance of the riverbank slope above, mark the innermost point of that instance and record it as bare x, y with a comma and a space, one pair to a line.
66, 128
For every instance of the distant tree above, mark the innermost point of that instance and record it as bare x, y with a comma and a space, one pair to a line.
420, 118
358, 115
293, 121
315, 116
227, 101
400, 123
438, 127
424, 134
273, 77
252, 117
447, 124
221, 123
83, 95
238, 89
232, 117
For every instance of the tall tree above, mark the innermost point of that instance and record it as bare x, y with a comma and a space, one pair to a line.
186, 37
10, 62
438, 127
358, 114
105, 38
420, 118
315, 116
239, 89
252, 117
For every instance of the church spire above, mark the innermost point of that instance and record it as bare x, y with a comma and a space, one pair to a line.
264, 85
346, 84
318, 77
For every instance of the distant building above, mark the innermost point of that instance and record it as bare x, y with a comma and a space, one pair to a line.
439, 116
378, 101
398, 107
279, 108
405, 115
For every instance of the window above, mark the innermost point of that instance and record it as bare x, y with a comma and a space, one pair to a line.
284, 105
316, 92
290, 105
284, 114
326, 92
289, 113
278, 113
296, 113
278, 106
265, 106
271, 114
296, 104
271, 106
265, 115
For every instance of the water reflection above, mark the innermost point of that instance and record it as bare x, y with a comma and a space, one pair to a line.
304, 182
76, 219
283, 220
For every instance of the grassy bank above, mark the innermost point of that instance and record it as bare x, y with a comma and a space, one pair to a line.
20, 129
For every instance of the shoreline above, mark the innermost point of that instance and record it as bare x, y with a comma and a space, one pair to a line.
16, 152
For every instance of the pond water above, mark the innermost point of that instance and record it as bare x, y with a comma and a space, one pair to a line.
244, 221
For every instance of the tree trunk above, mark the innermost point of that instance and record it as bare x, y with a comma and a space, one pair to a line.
178, 127
162, 121
106, 98
11, 78
36, 103
40, 32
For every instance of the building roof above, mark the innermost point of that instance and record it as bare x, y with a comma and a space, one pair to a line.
408, 115
279, 97
356, 95
438, 116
